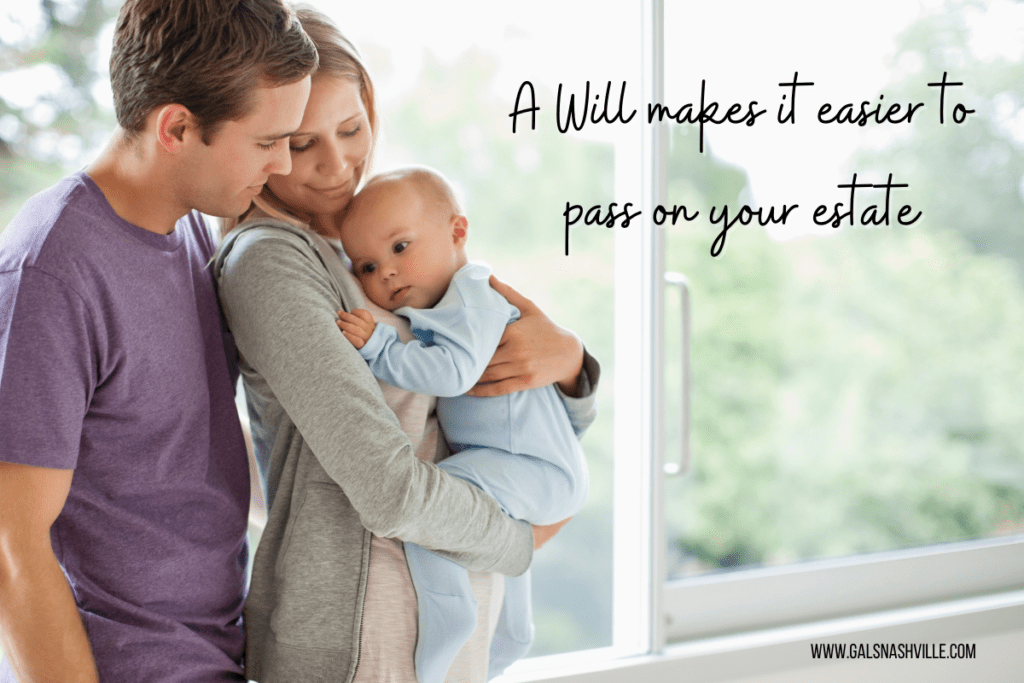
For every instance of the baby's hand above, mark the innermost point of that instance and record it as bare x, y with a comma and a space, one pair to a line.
357, 326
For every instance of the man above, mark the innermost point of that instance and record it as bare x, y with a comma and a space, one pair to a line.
124, 486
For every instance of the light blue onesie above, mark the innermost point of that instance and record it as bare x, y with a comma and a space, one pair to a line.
519, 448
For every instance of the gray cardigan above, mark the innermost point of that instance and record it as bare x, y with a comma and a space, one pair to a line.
339, 465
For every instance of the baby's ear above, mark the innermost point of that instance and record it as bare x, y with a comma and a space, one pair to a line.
460, 226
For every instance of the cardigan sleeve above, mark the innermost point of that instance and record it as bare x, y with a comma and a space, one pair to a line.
280, 303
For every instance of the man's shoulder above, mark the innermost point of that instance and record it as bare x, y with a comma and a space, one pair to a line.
70, 224
41, 219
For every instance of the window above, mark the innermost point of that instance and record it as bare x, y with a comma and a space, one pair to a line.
446, 86
823, 375
855, 421
854, 404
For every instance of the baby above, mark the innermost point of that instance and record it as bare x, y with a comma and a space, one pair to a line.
406, 236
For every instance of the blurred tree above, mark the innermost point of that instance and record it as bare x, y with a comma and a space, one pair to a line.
970, 177
856, 392
49, 114
853, 393
717, 514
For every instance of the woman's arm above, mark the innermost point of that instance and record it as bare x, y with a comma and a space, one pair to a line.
533, 352
280, 304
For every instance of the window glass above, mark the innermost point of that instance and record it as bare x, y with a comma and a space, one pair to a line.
447, 77
856, 388
447, 82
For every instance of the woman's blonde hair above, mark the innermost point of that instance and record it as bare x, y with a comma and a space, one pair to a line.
338, 58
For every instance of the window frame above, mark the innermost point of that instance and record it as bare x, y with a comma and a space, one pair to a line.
722, 603
746, 600
677, 625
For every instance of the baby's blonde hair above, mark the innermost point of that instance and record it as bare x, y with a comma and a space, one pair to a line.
430, 183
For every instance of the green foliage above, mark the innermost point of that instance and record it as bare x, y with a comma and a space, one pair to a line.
853, 392
857, 392
969, 175
40, 137
21, 178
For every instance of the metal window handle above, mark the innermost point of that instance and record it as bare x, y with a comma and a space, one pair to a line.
680, 281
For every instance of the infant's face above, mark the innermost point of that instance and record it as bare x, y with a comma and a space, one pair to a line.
403, 253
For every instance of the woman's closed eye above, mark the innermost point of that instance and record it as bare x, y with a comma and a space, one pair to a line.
301, 148
350, 133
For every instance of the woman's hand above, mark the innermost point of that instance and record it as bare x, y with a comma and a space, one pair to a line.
543, 534
533, 352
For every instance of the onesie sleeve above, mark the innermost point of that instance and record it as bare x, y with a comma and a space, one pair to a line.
47, 369
454, 342
280, 304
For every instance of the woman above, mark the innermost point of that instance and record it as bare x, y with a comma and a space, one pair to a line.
330, 599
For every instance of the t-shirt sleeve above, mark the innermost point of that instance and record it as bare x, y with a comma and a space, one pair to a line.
204, 234
47, 369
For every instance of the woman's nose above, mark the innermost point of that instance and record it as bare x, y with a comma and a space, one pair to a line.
334, 162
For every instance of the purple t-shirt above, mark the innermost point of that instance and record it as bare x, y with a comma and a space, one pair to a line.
114, 363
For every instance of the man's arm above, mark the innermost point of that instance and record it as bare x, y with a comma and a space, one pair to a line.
40, 630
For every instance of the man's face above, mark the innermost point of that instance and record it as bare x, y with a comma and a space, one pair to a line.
221, 179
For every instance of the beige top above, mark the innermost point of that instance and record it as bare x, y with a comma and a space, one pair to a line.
388, 638
387, 641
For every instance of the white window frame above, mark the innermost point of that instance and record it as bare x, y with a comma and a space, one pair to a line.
748, 621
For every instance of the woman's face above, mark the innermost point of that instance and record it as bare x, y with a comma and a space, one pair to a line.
328, 151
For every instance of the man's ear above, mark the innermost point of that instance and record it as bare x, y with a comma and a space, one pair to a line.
173, 123
460, 226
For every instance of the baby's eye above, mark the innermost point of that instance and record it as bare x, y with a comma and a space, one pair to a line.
367, 268
400, 247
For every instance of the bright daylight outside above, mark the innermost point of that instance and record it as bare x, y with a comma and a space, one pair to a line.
856, 389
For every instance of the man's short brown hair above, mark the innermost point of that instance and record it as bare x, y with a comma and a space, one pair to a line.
206, 55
